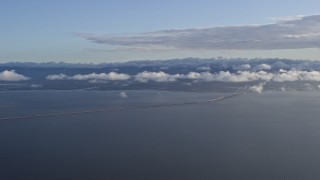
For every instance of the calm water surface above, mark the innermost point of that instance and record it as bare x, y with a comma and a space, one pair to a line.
274, 135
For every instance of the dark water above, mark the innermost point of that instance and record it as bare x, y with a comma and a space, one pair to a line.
270, 136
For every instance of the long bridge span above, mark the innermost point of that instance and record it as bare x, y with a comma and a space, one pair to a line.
117, 109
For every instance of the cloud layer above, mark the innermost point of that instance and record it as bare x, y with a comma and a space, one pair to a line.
286, 33
156, 76
8, 75
112, 76
222, 76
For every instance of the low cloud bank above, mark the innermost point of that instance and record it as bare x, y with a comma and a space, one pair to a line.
226, 76
156, 76
222, 76
11, 75
112, 76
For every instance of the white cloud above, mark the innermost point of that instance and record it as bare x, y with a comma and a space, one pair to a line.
196, 75
123, 94
112, 76
295, 75
8, 75
226, 76
156, 76
262, 67
97, 81
58, 77
287, 76
257, 88
244, 76
223, 76
287, 33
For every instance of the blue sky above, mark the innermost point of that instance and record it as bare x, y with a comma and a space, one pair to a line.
44, 30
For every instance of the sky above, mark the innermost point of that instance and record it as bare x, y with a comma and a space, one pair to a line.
116, 30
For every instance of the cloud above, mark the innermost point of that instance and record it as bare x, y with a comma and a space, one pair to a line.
93, 77
262, 67
287, 33
123, 94
195, 76
296, 75
156, 76
257, 88
8, 75
221, 76
226, 76
287, 18
112, 76
248, 76
58, 77
288, 76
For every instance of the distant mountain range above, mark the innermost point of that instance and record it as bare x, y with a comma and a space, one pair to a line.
187, 62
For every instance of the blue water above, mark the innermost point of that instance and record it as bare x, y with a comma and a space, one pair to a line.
274, 135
